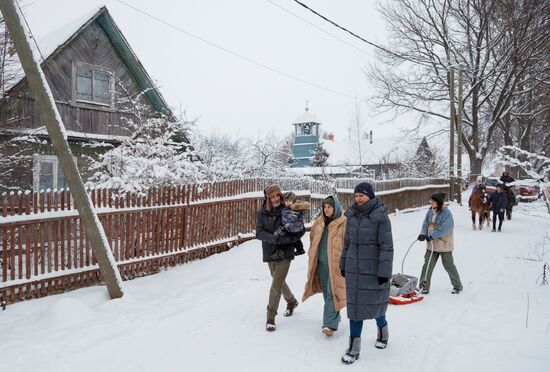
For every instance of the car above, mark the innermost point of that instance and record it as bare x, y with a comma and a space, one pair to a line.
527, 190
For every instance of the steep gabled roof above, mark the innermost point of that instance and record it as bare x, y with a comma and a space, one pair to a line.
53, 43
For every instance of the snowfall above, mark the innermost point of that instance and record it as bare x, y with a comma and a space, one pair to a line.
209, 315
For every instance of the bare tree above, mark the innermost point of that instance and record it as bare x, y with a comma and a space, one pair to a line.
357, 130
497, 42
268, 155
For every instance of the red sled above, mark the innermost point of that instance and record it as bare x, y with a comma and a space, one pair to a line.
405, 299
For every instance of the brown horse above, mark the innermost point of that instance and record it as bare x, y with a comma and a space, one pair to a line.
480, 205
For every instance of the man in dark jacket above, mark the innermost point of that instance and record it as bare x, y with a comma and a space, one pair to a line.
366, 264
499, 203
506, 178
278, 249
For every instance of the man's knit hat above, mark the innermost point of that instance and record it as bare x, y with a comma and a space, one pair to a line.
365, 188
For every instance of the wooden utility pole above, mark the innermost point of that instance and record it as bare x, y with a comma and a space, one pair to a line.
56, 131
452, 134
459, 132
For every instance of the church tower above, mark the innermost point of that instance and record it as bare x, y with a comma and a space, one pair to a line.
306, 131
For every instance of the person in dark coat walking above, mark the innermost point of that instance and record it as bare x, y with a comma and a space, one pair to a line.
499, 203
278, 248
366, 264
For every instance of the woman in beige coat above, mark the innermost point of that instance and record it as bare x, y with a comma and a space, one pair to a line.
326, 244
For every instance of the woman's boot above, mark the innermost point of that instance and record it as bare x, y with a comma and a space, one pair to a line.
353, 351
383, 335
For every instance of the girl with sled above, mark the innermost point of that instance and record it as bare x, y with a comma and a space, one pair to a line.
437, 231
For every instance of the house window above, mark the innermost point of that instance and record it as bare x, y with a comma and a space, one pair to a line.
93, 85
48, 173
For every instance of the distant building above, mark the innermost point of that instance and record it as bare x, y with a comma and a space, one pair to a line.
306, 138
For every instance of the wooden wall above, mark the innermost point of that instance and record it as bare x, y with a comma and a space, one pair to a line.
91, 46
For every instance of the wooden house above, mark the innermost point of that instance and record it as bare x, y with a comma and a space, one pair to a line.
98, 84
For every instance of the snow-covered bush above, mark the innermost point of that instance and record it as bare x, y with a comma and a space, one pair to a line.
149, 157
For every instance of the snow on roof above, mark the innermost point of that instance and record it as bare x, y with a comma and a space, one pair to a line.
306, 117
49, 42
328, 170
43, 132
55, 40
346, 151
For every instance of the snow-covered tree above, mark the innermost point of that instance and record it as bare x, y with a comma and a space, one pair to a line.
536, 166
268, 155
148, 158
425, 162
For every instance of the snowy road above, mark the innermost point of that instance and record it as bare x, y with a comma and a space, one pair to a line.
209, 315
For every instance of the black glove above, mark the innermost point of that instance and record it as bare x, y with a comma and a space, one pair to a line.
343, 273
429, 238
382, 280
422, 237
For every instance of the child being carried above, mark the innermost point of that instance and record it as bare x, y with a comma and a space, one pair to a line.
293, 218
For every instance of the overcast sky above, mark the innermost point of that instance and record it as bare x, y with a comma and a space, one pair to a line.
227, 93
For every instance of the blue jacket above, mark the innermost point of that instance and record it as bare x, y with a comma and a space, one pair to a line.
444, 221
293, 221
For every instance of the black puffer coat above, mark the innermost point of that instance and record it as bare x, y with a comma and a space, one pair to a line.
368, 254
499, 201
275, 248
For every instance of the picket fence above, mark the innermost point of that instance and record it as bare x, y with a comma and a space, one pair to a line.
44, 249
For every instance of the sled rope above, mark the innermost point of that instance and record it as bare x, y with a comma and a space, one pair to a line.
406, 254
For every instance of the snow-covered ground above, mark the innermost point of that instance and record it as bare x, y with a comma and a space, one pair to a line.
209, 315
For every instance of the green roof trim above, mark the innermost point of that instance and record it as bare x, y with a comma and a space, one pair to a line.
134, 66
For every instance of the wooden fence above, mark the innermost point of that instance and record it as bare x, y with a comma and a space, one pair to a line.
44, 249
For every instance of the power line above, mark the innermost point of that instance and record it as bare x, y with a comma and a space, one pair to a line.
346, 30
317, 27
235, 54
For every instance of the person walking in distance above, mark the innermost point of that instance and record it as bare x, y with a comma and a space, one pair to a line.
499, 202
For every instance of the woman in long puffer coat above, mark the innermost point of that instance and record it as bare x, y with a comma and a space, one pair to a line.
325, 250
366, 264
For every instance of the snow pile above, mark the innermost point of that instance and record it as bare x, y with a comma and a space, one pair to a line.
67, 312
209, 315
